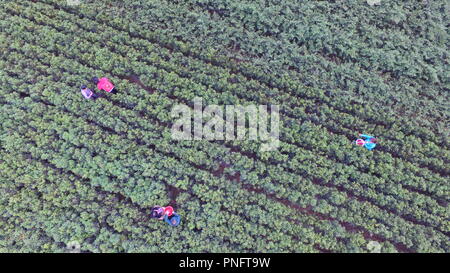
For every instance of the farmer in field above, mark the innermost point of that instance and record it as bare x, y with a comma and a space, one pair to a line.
160, 212
157, 212
104, 84
173, 220
369, 142
87, 93
165, 213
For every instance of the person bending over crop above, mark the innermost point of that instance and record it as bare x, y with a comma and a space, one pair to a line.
369, 142
173, 220
104, 84
157, 212
87, 93
167, 214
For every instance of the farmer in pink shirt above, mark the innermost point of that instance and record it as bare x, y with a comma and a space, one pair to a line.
104, 84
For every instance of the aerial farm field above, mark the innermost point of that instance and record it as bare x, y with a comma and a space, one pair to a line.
85, 173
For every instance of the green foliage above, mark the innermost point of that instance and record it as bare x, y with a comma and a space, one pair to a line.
75, 170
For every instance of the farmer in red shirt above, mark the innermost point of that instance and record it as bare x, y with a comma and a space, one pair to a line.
159, 212
104, 84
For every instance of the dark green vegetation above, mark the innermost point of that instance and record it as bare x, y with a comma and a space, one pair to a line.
77, 170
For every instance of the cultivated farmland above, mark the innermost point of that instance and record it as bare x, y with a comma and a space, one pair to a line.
78, 170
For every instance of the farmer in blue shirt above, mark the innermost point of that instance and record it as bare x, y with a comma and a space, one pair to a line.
369, 142
173, 220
